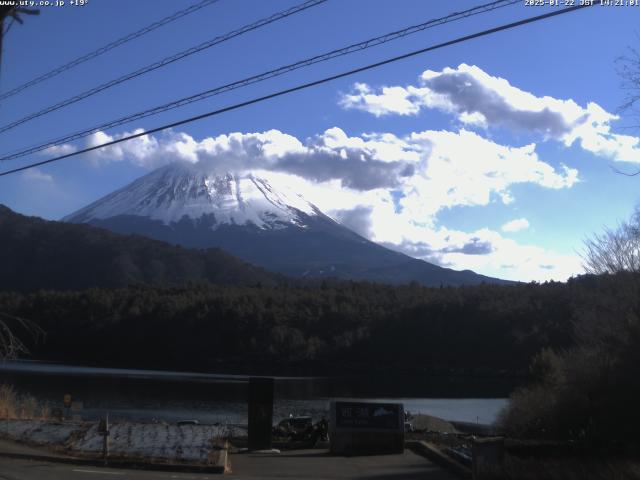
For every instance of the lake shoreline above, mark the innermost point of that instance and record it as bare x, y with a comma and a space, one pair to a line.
458, 384
260, 367
173, 396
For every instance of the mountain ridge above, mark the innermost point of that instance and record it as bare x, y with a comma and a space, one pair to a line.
40, 254
244, 215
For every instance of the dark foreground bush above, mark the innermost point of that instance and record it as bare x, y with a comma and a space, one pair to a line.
570, 469
589, 393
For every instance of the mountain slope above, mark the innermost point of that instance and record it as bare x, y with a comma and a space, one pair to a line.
38, 254
244, 215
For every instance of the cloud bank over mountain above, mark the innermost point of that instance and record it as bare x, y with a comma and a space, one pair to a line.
388, 188
395, 188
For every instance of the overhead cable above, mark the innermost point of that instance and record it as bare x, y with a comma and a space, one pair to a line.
356, 47
304, 86
164, 62
104, 49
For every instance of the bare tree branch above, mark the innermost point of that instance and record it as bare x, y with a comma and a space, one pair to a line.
628, 69
12, 345
615, 250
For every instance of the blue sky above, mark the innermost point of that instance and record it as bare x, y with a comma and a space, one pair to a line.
493, 160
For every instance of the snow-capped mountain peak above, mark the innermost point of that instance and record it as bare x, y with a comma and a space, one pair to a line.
182, 190
245, 215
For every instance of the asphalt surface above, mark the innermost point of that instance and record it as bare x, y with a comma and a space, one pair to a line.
35, 470
312, 464
319, 465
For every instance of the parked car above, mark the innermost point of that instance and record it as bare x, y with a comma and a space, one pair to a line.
294, 427
188, 422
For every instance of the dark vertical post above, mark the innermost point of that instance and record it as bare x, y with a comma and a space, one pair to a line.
103, 429
105, 446
260, 413
66, 401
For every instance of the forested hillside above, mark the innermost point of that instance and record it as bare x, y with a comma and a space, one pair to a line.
37, 254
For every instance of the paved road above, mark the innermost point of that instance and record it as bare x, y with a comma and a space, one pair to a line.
312, 464
318, 465
33, 470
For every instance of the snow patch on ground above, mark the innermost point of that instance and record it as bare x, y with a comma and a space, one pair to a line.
174, 443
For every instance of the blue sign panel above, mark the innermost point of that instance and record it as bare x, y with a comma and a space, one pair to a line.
375, 416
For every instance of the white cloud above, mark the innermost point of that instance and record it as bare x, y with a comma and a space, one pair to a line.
142, 151
464, 168
515, 225
479, 99
63, 149
36, 175
431, 169
357, 163
474, 119
515, 261
398, 100
486, 251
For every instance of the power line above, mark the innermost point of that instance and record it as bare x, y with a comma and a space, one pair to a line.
110, 46
372, 42
166, 61
306, 85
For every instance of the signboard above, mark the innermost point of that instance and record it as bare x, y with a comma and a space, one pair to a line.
368, 416
76, 410
366, 427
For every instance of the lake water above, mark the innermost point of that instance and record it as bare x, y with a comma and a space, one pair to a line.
147, 395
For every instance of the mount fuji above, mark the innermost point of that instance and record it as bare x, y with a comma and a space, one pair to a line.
243, 214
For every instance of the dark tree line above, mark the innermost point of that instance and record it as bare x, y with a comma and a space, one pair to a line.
324, 326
